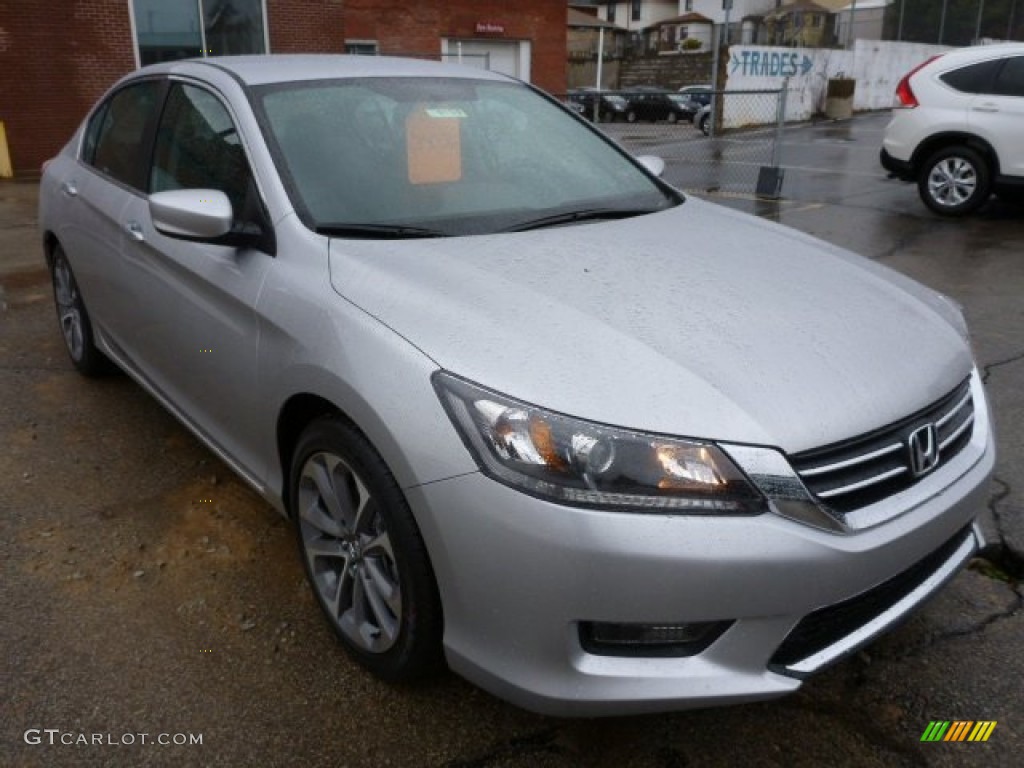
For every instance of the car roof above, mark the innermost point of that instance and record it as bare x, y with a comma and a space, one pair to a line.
975, 53
282, 68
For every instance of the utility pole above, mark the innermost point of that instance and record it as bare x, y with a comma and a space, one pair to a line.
942, 20
1009, 23
849, 32
899, 30
977, 27
723, 38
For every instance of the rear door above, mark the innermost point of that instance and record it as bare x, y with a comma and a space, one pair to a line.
95, 192
1001, 115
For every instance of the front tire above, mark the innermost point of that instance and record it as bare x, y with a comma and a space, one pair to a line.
672, 118
955, 181
363, 553
75, 325
705, 124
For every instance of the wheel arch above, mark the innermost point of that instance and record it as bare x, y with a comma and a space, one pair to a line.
933, 144
296, 414
50, 243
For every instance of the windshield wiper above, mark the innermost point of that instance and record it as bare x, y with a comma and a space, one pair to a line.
585, 214
377, 231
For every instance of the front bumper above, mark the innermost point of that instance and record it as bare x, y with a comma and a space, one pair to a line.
518, 575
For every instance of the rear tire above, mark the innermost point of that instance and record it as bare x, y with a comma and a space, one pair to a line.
75, 325
705, 124
672, 118
954, 181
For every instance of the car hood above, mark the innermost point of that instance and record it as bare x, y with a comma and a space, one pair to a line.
741, 330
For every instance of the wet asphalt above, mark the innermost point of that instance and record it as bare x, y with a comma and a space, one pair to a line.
146, 590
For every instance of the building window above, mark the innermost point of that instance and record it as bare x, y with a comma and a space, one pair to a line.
166, 30
611, 12
689, 6
361, 47
637, 10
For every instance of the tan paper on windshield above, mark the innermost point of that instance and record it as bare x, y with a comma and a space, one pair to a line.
434, 145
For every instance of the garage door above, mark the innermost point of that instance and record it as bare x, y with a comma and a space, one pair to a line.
510, 57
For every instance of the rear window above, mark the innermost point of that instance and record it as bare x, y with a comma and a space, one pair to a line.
974, 78
1010, 81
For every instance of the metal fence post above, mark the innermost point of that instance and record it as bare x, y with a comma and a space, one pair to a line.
770, 177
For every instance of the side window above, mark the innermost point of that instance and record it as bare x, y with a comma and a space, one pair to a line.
974, 78
198, 147
1010, 81
115, 139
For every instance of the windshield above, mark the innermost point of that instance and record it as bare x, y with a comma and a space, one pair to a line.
616, 99
676, 98
441, 156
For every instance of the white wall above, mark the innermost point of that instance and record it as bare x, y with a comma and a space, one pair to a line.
876, 65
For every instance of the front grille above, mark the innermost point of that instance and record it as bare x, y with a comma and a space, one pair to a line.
827, 626
854, 473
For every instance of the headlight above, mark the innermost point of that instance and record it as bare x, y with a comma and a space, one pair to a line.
582, 463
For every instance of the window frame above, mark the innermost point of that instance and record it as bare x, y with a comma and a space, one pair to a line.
137, 51
266, 241
999, 74
144, 160
361, 43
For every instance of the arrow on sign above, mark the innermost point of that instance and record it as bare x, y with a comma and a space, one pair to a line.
735, 62
806, 65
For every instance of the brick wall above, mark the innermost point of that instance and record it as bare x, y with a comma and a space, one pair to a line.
306, 26
405, 27
58, 57
55, 60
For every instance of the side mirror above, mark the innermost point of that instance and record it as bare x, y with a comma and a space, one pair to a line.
654, 164
191, 214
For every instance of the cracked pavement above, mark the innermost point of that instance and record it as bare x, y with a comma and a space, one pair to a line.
146, 589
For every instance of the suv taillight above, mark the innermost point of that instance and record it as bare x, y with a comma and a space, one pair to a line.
904, 93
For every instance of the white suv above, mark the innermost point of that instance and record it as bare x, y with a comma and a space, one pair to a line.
958, 128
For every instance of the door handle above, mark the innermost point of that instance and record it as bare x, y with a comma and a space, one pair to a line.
69, 188
134, 229
986, 108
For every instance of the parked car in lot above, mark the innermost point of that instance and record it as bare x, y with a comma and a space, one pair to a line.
699, 94
610, 106
449, 331
653, 104
702, 119
957, 128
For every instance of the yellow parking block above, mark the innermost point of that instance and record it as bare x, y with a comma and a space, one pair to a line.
6, 171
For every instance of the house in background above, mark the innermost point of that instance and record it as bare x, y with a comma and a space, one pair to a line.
800, 24
741, 11
689, 33
584, 34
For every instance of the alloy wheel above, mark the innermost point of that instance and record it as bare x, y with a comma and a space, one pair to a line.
68, 308
952, 181
348, 550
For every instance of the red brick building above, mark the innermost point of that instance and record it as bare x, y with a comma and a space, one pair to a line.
57, 58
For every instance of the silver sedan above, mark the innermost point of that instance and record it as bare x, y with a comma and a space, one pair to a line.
451, 331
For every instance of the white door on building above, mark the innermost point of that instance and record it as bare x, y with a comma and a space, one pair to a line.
509, 57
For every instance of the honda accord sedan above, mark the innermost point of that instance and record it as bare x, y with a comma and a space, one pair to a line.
449, 329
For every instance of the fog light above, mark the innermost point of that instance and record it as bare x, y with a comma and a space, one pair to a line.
607, 639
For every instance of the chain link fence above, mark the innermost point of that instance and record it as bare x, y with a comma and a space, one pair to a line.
711, 141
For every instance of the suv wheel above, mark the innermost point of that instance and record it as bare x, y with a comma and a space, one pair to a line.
954, 181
